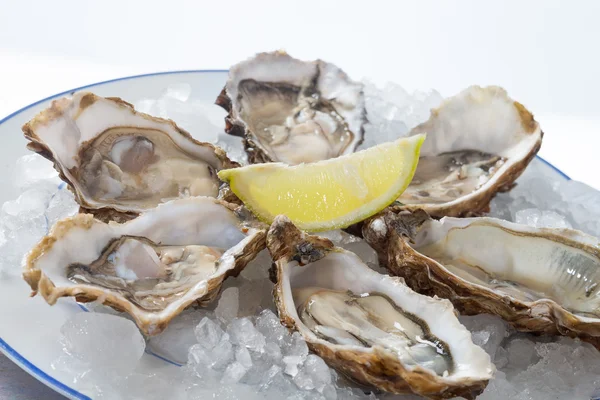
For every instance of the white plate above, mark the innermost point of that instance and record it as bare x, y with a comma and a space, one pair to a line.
30, 329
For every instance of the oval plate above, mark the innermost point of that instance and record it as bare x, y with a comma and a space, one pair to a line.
31, 336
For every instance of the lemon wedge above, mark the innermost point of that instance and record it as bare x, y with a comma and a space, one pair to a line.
329, 194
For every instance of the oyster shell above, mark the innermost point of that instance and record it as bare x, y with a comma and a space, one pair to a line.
120, 162
293, 111
478, 143
537, 279
368, 326
149, 267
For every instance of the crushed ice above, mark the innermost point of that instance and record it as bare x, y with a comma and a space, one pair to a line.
204, 121
24, 221
237, 348
392, 112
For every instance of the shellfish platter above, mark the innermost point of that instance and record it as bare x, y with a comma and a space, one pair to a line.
478, 277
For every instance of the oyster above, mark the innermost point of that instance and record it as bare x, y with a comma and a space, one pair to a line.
151, 267
368, 326
119, 162
537, 279
478, 143
293, 111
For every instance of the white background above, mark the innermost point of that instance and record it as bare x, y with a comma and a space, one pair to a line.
545, 53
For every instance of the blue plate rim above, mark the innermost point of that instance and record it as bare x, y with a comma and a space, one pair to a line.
11, 353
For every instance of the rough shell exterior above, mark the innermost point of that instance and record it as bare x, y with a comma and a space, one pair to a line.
389, 233
149, 323
58, 108
374, 369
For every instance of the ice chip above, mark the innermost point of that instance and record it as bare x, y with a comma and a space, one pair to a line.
103, 340
269, 325
175, 341
304, 381
499, 388
190, 115
243, 333
487, 331
329, 392
215, 357
318, 369
273, 352
178, 91
145, 105
277, 385
313, 375
258, 269
232, 145
501, 358
336, 236
520, 353
296, 347
551, 219
228, 306
62, 204
242, 355
198, 354
257, 295
366, 253
541, 219
208, 333
480, 338
292, 364
222, 353
32, 202
341, 238
528, 216
234, 372
393, 112
33, 168
161, 383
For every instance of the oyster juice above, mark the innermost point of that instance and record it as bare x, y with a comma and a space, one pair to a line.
286, 118
125, 165
570, 276
449, 176
372, 319
141, 270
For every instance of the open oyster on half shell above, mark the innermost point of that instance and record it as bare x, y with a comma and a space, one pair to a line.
478, 143
120, 162
152, 267
292, 111
537, 279
371, 327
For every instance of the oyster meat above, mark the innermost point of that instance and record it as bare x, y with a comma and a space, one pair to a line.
293, 111
120, 162
372, 327
478, 143
537, 279
151, 267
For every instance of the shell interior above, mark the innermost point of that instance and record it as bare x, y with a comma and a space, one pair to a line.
388, 306
358, 319
478, 142
296, 111
153, 266
116, 157
524, 263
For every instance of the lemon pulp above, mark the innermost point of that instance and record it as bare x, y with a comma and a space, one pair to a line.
329, 194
